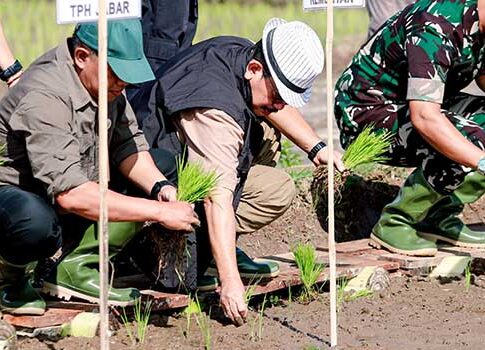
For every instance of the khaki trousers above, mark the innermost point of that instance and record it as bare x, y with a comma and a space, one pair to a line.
268, 192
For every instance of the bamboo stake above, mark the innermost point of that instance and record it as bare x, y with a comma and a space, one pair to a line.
331, 217
103, 172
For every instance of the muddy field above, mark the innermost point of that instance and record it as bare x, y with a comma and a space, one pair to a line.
416, 313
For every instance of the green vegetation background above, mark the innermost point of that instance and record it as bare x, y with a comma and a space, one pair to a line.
30, 25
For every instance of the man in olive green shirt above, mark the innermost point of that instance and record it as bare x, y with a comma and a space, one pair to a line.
48, 181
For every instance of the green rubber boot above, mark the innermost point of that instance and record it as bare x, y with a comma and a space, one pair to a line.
77, 275
248, 268
395, 229
442, 222
17, 296
207, 283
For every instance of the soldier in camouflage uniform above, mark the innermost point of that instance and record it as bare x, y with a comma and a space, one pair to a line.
407, 79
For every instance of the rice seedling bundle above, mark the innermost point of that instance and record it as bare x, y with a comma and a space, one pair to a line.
194, 185
369, 147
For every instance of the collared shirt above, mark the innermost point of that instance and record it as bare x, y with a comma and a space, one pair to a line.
48, 124
427, 52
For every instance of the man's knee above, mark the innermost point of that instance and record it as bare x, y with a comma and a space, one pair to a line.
268, 193
31, 231
284, 190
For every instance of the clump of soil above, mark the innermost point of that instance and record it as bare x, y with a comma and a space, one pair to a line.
359, 201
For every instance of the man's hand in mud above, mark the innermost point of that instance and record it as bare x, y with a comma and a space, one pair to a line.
232, 301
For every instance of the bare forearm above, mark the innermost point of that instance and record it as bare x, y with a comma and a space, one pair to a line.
141, 170
222, 235
84, 201
292, 124
440, 133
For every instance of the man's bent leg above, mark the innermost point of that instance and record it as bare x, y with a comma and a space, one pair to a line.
77, 275
467, 113
267, 194
29, 231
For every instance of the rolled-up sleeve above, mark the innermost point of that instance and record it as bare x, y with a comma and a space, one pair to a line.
44, 121
214, 139
127, 137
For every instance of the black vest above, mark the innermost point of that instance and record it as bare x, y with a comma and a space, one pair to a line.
207, 75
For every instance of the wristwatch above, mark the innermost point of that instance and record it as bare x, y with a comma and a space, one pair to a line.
481, 166
157, 187
313, 152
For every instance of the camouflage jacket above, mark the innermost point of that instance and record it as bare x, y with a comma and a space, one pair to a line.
428, 52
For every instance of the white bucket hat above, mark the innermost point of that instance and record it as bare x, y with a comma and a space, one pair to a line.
295, 57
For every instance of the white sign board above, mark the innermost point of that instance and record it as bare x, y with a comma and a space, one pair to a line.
322, 4
74, 11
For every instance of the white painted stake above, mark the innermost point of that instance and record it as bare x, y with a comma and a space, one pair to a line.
330, 167
103, 173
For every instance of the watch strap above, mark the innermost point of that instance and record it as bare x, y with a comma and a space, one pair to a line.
158, 186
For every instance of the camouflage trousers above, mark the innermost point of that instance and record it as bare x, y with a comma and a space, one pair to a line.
409, 149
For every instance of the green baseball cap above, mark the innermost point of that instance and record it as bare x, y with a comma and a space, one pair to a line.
125, 48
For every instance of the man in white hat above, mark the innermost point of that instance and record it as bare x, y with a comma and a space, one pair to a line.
227, 99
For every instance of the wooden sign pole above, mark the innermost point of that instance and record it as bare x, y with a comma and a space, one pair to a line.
103, 173
331, 217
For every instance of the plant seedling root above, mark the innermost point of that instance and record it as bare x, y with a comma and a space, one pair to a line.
358, 202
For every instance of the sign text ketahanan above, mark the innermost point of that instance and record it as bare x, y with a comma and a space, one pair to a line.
74, 11
322, 4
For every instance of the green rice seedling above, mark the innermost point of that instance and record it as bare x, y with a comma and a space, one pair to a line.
250, 289
127, 324
369, 147
261, 318
203, 321
341, 284
359, 294
343, 295
256, 324
468, 276
194, 185
309, 269
194, 308
141, 314
194, 182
